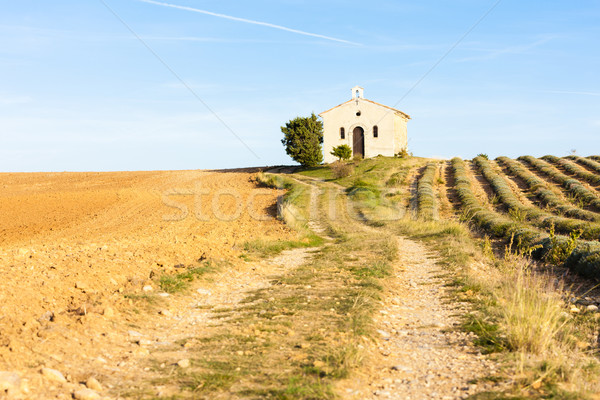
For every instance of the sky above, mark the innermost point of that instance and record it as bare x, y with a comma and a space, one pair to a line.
106, 85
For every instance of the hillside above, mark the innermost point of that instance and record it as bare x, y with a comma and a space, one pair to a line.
408, 278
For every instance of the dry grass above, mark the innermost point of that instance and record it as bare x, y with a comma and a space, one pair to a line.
520, 312
533, 309
549, 344
341, 169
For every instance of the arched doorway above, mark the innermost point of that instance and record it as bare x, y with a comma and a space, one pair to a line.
358, 139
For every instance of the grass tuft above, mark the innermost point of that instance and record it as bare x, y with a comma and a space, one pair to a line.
265, 248
181, 281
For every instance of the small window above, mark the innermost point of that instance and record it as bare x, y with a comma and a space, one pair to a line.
342, 133
358, 113
375, 131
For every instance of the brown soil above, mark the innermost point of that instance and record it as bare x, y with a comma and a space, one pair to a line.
445, 199
481, 188
519, 183
74, 246
554, 186
519, 192
453, 198
586, 167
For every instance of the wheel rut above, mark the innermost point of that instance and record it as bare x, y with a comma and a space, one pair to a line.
420, 351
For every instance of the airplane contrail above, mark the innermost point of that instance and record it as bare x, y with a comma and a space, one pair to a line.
249, 21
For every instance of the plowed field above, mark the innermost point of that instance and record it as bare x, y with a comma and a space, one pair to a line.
73, 244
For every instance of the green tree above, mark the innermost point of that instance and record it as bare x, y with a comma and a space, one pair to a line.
302, 140
342, 152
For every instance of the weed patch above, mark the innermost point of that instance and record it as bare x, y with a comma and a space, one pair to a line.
265, 249
181, 281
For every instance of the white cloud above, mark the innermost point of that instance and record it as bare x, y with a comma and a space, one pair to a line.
250, 21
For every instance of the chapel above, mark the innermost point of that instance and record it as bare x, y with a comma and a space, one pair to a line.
369, 128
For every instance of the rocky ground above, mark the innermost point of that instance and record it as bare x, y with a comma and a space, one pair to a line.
421, 353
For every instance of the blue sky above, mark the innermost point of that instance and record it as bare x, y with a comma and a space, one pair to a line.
79, 91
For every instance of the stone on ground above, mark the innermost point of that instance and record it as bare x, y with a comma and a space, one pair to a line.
9, 381
85, 394
92, 383
53, 375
